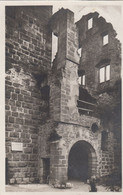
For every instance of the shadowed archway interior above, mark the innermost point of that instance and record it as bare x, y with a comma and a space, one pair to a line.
82, 161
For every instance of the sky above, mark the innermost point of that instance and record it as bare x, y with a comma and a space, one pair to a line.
112, 13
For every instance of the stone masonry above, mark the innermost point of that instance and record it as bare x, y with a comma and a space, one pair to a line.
94, 54
42, 109
28, 56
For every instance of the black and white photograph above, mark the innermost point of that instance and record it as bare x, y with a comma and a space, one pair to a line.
63, 96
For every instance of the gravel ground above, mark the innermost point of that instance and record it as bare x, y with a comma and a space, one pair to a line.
77, 187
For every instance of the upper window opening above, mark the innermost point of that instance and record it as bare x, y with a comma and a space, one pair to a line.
104, 73
107, 72
82, 80
54, 46
105, 39
80, 51
90, 23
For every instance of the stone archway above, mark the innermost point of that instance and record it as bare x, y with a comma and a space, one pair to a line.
82, 161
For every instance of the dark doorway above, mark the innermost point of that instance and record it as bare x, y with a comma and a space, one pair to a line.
46, 170
80, 161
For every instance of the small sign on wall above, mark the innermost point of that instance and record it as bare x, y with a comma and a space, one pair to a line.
17, 146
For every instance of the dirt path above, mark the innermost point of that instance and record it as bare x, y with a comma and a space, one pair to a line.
77, 187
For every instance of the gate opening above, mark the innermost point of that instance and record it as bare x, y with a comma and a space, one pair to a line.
82, 161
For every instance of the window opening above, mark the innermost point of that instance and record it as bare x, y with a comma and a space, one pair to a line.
107, 72
105, 39
54, 46
82, 80
104, 74
94, 128
90, 23
85, 102
80, 51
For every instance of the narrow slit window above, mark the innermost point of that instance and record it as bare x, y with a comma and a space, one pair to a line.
105, 39
90, 23
82, 80
54, 46
80, 51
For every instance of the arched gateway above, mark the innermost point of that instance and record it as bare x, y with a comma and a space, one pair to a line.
82, 161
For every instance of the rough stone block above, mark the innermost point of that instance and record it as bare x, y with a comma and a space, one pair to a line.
18, 180
14, 134
16, 157
14, 108
17, 91
18, 103
27, 105
16, 84
8, 113
8, 83
22, 164
9, 89
33, 157
25, 180
12, 164
19, 121
27, 150
14, 96
20, 97
24, 157
23, 92
15, 114
7, 107
12, 102
12, 181
28, 122
28, 99
8, 94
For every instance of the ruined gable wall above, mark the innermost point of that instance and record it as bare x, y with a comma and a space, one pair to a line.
93, 50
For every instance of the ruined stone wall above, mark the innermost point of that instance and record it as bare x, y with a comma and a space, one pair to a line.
28, 56
41, 99
94, 54
63, 100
